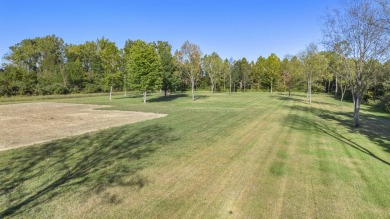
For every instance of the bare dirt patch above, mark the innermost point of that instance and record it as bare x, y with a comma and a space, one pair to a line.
30, 123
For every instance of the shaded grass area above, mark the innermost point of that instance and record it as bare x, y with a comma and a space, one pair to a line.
246, 155
86, 164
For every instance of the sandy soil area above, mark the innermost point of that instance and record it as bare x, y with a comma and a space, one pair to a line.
30, 123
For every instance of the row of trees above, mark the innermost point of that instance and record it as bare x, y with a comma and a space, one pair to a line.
47, 65
357, 38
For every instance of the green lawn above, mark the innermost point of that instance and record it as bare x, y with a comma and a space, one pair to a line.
246, 155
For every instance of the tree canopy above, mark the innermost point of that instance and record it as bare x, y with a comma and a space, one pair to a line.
144, 68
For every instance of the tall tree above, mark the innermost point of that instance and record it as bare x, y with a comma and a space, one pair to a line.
144, 67
259, 71
272, 66
168, 68
286, 73
314, 64
364, 27
225, 72
245, 73
110, 62
189, 61
212, 66
125, 62
43, 57
231, 68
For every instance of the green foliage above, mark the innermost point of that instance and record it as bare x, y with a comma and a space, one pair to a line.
169, 81
259, 71
76, 75
272, 69
46, 65
144, 68
245, 73
213, 68
188, 62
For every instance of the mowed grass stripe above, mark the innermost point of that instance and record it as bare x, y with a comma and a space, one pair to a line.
206, 160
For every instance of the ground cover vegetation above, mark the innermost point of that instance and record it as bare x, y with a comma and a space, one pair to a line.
244, 155
316, 144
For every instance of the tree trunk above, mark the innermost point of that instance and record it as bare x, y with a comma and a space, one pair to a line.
244, 83
193, 86
356, 107
309, 90
212, 86
124, 85
230, 82
328, 86
335, 92
271, 85
165, 92
144, 97
357, 94
224, 83
289, 90
343, 90
110, 92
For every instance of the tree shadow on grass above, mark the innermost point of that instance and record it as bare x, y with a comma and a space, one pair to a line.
299, 98
89, 164
167, 98
176, 96
379, 134
201, 97
130, 96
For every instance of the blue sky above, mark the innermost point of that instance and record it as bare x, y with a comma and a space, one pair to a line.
231, 28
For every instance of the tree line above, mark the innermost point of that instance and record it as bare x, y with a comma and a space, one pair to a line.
357, 38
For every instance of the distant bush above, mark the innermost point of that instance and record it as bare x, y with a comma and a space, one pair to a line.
92, 88
385, 103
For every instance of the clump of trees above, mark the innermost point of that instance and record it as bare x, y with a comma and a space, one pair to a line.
46, 65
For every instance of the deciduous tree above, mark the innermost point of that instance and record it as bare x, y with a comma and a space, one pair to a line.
213, 67
314, 64
144, 67
364, 27
168, 68
272, 69
189, 61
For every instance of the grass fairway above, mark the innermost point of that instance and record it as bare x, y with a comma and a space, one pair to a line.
246, 155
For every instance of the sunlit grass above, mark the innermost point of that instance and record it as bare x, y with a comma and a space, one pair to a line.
246, 155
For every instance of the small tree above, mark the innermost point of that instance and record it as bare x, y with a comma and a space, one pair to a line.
189, 61
272, 69
314, 64
168, 68
259, 71
144, 67
213, 66
110, 62
245, 70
